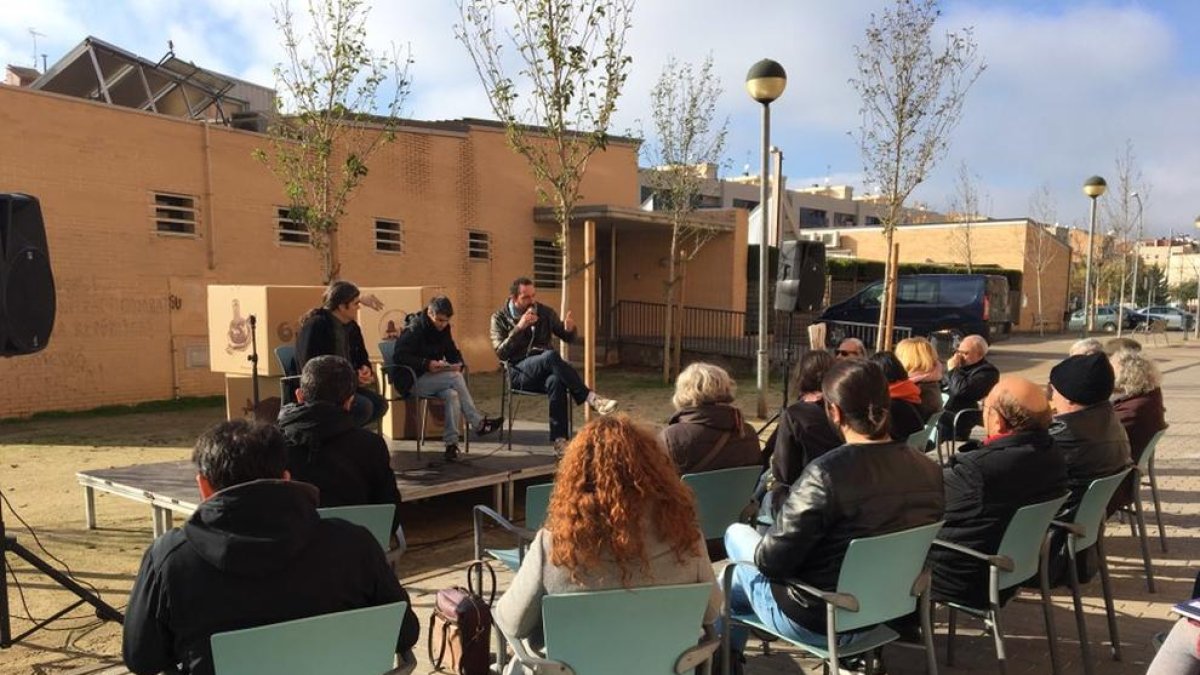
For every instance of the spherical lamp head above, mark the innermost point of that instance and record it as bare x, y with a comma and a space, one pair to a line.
766, 81
1094, 186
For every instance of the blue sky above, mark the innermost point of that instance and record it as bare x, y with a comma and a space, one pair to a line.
1067, 85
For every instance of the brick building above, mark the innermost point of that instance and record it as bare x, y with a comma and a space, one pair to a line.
143, 211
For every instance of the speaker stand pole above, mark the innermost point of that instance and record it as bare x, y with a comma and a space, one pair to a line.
253, 358
104, 610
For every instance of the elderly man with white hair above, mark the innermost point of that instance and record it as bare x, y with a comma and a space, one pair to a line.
968, 380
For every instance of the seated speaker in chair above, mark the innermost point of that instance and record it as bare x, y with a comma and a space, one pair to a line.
521, 332
331, 329
254, 553
427, 347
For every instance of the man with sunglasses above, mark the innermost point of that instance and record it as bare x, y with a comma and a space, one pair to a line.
968, 380
987, 481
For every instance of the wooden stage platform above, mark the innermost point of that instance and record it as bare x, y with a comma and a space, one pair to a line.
170, 487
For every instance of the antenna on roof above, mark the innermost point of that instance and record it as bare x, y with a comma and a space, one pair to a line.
828, 171
35, 35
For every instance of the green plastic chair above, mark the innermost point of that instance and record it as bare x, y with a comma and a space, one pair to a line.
1086, 530
1023, 551
1133, 510
881, 578
377, 518
655, 630
285, 355
721, 495
1145, 469
920, 439
537, 502
355, 642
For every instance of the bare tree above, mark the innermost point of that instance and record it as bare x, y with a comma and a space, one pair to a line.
967, 207
325, 135
912, 98
571, 58
1122, 220
1042, 249
688, 136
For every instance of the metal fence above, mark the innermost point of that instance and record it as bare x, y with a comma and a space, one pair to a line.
721, 332
836, 331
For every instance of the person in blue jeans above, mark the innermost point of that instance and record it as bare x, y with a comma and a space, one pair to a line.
521, 332
871, 485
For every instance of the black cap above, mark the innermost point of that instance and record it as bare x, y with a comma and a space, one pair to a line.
1084, 380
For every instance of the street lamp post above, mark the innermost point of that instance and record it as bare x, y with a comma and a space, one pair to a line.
1093, 188
1196, 325
765, 82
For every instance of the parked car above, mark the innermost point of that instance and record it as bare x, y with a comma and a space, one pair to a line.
1177, 319
943, 307
1106, 319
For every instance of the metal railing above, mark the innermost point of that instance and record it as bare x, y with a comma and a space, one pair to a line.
720, 332
836, 331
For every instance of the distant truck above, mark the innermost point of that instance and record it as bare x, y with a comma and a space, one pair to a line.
942, 307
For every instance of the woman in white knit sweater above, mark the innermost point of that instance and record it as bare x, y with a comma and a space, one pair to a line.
619, 517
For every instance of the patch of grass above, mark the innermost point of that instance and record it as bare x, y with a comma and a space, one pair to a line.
168, 405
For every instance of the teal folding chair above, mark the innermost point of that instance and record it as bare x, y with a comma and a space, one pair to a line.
1134, 511
721, 496
377, 518
1145, 469
537, 502
285, 355
1023, 552
654, 630
920, 439
355, 642
882, 578
1085, 530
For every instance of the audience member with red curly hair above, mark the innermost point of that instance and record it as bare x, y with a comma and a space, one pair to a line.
619, 517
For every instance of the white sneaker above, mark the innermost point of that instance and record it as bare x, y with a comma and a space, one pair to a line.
602, 405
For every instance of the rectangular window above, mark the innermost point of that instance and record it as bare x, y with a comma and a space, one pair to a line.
748, 204
290, 229
479, 245
389, 236
547, 264
175, 214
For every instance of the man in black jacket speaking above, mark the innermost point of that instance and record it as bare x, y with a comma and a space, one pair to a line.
254, 553
521, 332
427, 347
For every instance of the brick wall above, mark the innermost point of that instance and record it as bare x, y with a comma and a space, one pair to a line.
131, 301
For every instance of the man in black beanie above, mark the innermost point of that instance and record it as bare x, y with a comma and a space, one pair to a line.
1086, 431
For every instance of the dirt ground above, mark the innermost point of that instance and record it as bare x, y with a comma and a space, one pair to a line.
39, 459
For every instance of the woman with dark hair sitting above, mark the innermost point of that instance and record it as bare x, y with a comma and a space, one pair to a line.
619, 517
905, 396
871, 485
804, 432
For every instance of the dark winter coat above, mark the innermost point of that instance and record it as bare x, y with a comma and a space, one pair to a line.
422, 342
512, 345
849, 492
804, 434
966, 386
347, 463
318, 337
691, 434
985, 485
1142, 416
251, 555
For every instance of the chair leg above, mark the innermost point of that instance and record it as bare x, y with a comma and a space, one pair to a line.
1162, 536
1080, 621
423, 406
952, 621
1140, 519
927, 633
1106, 584
1051, 629
993, 622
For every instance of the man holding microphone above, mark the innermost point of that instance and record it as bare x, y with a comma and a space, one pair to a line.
521, 332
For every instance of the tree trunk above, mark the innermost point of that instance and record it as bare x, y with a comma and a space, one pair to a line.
668, 322
1041, 313
888, 291
677, 357
564, 224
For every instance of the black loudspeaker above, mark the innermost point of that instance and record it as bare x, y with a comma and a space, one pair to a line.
27, 301
800, 283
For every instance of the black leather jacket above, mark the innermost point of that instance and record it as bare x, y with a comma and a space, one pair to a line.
512, 345
1094, 445
851, 491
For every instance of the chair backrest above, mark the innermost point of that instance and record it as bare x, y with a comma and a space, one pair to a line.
1143, 464
626, 631
1022, 541
880, 572
1091, 511
377, 518
721, 495
387, 349
537, 503
286, 356
355, 642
